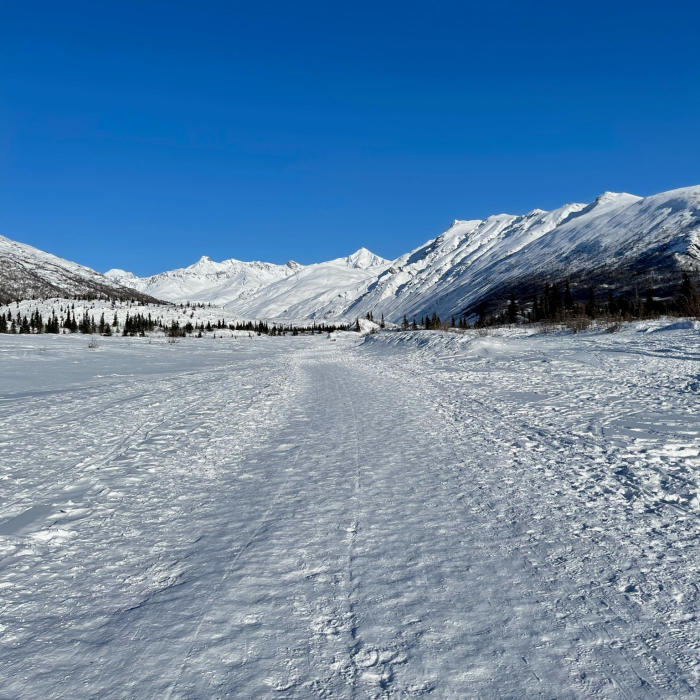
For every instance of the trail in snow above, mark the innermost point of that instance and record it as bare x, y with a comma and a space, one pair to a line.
467, 517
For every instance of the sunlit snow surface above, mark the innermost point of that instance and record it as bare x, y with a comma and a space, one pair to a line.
503, 516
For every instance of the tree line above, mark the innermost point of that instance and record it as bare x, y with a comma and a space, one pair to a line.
557, 303
139, 324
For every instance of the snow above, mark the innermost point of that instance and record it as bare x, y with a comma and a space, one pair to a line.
26, 272
473, 259
618, 241
319, 291
263, 290
616, 238
504, 515
166, 313
206, 281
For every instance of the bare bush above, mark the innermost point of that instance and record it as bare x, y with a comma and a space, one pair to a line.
612, 327
578, 324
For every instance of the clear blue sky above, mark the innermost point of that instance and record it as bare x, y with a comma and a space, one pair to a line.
144, 134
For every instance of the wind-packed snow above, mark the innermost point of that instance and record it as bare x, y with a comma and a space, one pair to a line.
400, 514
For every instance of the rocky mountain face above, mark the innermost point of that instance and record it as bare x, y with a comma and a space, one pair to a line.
29, 273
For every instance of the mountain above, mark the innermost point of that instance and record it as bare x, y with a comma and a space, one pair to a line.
619, 241
29, 273
265, 290
319, 291
207, 280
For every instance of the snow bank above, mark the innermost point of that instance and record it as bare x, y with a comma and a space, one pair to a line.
439, 342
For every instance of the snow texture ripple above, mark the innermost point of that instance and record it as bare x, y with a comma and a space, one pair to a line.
410, 514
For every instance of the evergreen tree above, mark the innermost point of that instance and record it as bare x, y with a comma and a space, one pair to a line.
649, 304
568, 299
689, 302
512, 309
555, 303
590, 303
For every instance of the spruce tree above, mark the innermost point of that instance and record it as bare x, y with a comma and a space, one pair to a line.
512, 309
568, 299
590, 303
649, 304
689, 301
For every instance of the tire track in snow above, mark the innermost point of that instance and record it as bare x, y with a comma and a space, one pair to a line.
352, 531
259, 527
134, 629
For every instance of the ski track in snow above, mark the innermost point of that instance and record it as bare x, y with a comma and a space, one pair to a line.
419, 514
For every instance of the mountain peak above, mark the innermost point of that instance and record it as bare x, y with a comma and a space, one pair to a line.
608, 197
363, 258
117, 273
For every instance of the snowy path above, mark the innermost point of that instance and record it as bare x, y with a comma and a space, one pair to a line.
298, 518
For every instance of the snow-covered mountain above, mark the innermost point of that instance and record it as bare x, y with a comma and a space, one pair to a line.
207, 280
619, 240
29, 273
265, 290
322, 290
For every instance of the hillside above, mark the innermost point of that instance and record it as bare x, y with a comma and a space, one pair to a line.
619, 241
29, 273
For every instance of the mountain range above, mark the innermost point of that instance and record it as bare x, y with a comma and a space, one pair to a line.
619, 241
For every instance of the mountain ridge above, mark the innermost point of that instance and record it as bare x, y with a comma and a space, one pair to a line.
618, 241
27, 272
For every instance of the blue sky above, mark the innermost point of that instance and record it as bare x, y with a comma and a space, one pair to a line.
145, 134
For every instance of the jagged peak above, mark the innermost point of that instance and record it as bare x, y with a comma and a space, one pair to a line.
364, 258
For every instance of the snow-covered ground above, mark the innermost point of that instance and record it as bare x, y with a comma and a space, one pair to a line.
402, 514
165, 314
